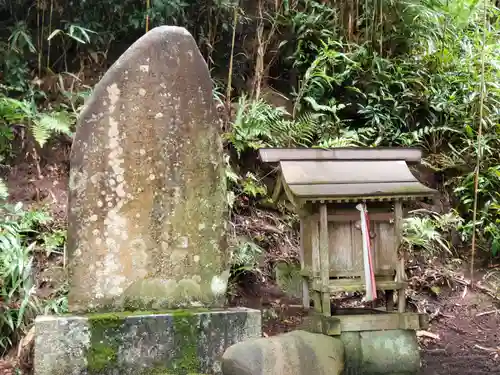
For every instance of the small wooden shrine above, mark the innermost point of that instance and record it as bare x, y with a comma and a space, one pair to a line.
326, 188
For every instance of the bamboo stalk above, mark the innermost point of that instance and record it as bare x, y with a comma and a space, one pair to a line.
50, 32
381, 39
350, 22
365, 15
148, 6
39, 38
230, 73
374, 25
479, 136
356, 20
259, 61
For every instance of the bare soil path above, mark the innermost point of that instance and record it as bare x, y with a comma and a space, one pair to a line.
469, 337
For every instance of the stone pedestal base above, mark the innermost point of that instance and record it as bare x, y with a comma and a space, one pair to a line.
393, 352
375, 342
177, 342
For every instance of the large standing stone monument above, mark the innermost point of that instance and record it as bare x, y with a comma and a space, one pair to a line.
147, 187
147, 210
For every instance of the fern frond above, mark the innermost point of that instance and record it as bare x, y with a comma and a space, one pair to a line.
313, 118
417, 136
338, 142
253, 124
289, 133
40, 133
46, 124
56, 122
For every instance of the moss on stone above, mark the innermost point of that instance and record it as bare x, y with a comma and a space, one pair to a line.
160, 370
105, 340
156, 371
186, 332
119, 316
100, 357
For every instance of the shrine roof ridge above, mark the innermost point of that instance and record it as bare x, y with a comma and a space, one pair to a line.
408, 154
340, 173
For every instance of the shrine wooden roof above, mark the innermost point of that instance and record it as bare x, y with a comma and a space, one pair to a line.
348, 173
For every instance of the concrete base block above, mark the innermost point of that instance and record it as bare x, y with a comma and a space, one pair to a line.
394, 352
177, 342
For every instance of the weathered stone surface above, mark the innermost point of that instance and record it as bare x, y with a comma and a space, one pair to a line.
177, 343
147, 188
295, 353
393, 352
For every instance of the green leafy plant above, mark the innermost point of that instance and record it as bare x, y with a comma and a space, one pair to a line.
75, 32
258, 124
19, 239
245, 255
42, 124
430, 232
13, 57
17, 305
251, 128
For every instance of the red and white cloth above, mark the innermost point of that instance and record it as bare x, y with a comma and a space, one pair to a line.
368, 259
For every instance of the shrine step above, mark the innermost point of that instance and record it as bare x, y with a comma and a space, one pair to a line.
358, 285
338, 323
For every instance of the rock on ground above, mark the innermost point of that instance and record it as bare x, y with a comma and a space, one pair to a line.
294, 353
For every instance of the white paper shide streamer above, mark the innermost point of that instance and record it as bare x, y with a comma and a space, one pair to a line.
371, 293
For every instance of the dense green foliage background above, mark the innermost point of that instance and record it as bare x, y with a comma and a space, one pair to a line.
421, 73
